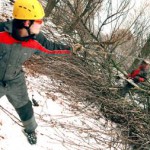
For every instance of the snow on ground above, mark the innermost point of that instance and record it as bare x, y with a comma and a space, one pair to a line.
5, 9
60, 127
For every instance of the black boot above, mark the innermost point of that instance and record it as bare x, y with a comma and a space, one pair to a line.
31, 136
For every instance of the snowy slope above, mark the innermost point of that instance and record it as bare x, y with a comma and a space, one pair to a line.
60, 127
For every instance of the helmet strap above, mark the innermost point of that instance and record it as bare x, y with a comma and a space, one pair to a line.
28, 28
16, 35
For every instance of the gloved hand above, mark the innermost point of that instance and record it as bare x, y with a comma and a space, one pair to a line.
141, 79
77, 47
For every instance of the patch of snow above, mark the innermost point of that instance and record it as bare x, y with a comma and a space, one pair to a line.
5, 10
59, 126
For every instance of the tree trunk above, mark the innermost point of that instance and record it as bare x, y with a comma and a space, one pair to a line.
50, 6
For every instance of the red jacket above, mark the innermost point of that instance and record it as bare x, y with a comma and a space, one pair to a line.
138, 75
13, 53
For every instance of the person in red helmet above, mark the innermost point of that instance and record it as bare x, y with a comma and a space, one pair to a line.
138, 75
19, 39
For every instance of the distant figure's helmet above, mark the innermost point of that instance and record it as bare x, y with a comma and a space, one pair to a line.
146, 61
28, 10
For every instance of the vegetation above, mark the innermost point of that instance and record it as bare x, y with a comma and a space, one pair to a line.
115, 39
92, 75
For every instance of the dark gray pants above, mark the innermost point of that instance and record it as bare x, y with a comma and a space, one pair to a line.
126, 89
16, 92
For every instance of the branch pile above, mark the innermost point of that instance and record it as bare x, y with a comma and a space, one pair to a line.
91, 85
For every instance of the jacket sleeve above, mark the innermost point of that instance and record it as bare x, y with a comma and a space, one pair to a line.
50, 47
142, 76
134, 73
138, 75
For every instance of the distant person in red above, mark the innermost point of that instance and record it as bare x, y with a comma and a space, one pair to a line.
138, 75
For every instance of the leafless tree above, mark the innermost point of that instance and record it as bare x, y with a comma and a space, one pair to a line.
50, 6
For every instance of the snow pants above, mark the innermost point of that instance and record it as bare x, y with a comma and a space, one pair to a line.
126, 89
16, 92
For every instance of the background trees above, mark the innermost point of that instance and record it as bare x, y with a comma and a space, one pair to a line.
115, 37
98, 23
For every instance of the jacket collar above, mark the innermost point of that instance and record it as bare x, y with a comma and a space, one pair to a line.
9, 28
